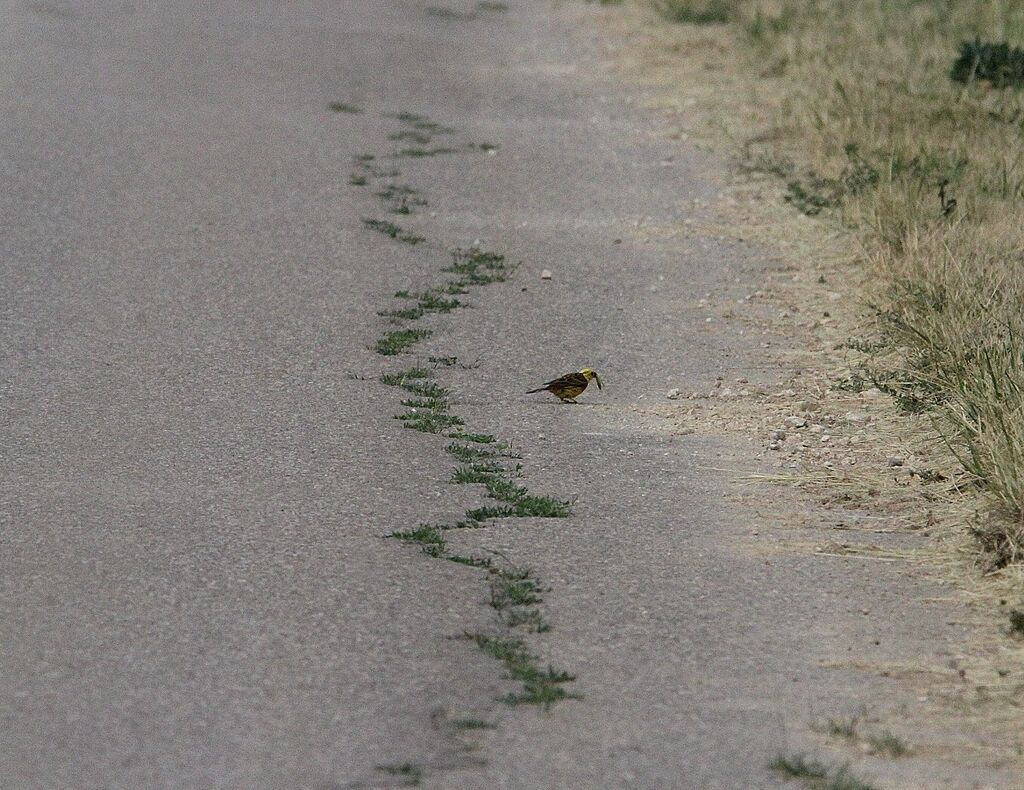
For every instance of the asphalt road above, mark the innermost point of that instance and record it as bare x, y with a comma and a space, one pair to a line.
199, 463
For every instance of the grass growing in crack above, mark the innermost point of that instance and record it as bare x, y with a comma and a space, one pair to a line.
473, 724
426, 388
410, 773
474, 562
340, 106
479, 438
393, 231
402, 377
478, 267
357, 180
428, 421
540, 686
412, 135
515, 597
426, 302
475, 473
450, 14
421, 122
421, 151
426, 536
887, 744
396, 342
817, 775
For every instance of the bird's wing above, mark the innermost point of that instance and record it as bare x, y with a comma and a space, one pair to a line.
568, 380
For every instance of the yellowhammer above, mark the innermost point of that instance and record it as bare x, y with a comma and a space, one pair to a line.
567, 387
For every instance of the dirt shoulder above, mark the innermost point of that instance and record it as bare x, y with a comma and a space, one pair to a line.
860, 479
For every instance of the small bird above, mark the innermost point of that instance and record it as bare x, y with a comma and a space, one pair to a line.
569, 386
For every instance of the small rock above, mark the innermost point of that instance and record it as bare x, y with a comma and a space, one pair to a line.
685, 431
808, 405
857, 417
873, 392
825, 438
834, 297
546, 274
774, 446
796, 422
778, 436
673, 393
785, 394
817, 428
894, 461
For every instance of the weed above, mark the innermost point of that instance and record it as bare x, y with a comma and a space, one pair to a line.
473, 562
392, 230
428, 537
410, 773
842, 728
443, 362
400, 378
357, 180
412, 135
421, 122
887, 744
398, 341
1016, 628
695, 12
468, 454
420, 151
479, 438
999, 64
475, 473
476, 516
428, 420
472, 724
340, 106
478, 267
816, 775
450, 14
514, 588
541, 507
540, 686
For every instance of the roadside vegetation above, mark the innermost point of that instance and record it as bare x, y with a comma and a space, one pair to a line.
904, 120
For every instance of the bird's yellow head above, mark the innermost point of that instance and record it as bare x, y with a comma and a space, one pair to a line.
589, 374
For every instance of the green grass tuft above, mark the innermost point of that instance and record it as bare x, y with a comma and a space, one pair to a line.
340, 106
398, 341
428, 537
540, 686
428, 420
391, 230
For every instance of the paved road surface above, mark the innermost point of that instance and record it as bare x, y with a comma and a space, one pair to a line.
199, 463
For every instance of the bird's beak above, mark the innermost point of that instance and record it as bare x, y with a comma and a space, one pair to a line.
598, 380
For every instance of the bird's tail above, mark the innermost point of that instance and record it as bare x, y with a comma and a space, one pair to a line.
539, 389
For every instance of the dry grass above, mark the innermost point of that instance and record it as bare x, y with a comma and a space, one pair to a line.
866, 124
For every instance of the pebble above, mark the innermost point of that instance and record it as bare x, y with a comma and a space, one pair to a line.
774, 446
796, 422
808, 405
873, 392
857, 417
673, 393
546, 274
894, 461
778, 436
